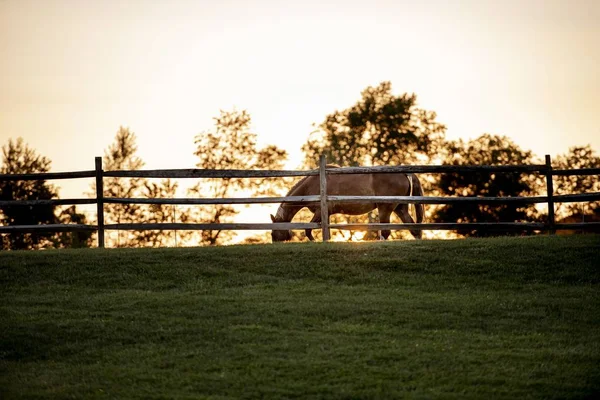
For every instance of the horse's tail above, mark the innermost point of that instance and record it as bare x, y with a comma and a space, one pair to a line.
417, 190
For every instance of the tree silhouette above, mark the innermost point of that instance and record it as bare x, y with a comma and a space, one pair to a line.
163, 213
122, 155
231, 145
486, 150
19, 158
577, 157
78, 239
380, 129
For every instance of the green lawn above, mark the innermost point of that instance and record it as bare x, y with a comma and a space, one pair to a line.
510, 318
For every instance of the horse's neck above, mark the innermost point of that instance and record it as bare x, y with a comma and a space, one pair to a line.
286, 212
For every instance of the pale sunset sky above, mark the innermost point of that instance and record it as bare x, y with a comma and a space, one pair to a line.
73, 71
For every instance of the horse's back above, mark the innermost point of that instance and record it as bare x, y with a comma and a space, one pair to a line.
382, 184
363, 184
391, 184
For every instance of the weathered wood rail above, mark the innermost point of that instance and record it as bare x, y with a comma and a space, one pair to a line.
323, 199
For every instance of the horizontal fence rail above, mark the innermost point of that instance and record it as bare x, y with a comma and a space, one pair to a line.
567, 198
47, 176
208, 173
322, 200
214, 227
541, 168
569, 172
215, 200
46, 202
47, 228
444, 226
314, 200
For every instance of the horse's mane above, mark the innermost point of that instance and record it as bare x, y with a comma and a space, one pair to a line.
296, 185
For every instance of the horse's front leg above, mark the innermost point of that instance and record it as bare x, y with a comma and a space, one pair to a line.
384, 218
316, 218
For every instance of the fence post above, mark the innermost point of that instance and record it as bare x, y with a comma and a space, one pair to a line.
100, 201
323, 193
550, 194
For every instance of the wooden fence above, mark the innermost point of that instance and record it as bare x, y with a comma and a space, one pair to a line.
99, 174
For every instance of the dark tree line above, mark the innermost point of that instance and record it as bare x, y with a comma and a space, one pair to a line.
385, 129
19, 158
229, 145
380, 129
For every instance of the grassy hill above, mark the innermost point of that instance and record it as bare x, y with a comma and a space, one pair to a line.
496, 318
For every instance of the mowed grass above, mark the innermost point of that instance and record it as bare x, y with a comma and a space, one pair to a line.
479, 318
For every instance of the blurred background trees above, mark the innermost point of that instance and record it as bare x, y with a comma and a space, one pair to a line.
74, 240
232, 145
122, 155
381, 128
577, 157
486, 150
385, 129
19, 158
162, 213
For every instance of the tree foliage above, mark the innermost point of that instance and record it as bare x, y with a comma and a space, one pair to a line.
163, 213
122, 155
577, 157
232, 145
380, 129
75, 240
19, 158
486, 150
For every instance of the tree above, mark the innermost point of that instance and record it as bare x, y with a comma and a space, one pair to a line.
122, 155
486, 150
78, 239
19, 158
162, 213
577, 157
380, 129
231, 145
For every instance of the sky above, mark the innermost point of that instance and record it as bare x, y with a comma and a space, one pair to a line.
73, 71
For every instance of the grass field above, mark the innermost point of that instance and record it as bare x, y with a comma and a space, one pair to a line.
479, 318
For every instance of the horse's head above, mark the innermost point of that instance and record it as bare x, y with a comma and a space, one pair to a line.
280, 235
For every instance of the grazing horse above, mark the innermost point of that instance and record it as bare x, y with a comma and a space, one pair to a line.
368, 184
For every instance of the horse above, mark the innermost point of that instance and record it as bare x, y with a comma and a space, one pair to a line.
363, 184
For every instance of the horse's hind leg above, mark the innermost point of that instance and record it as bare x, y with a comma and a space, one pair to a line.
316, 218
402, 212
